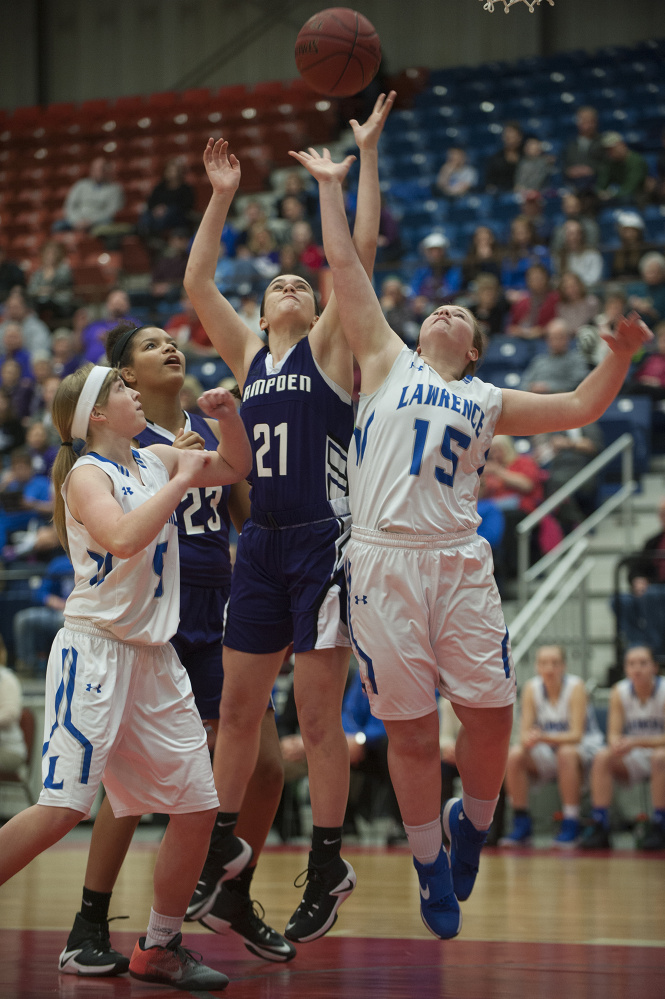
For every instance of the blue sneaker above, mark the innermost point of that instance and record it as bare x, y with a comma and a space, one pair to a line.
439, 909
569, 834
466, 842
520, 834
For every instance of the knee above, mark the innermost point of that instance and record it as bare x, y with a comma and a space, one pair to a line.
567, 755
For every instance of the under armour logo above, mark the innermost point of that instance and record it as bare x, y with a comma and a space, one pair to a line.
359, 599
97, 689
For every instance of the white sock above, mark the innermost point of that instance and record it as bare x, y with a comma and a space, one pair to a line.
425, 841
161, 929
571, 811
479, 813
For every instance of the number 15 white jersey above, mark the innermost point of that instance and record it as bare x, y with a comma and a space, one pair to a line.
419, 443
136, 599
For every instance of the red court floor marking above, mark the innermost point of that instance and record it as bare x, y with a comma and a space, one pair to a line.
359, 968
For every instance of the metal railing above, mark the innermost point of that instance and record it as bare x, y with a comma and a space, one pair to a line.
621, 500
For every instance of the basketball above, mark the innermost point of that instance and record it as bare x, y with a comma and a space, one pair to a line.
338, 52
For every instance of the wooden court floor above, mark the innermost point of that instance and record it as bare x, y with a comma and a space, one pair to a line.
540, 924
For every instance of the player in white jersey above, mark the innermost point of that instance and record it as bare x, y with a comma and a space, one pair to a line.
119, 704
424, 607
559, 736
635, 750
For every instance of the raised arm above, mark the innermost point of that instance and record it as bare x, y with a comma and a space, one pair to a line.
528, 413
326, 339
369, 336
233, 340
232, 460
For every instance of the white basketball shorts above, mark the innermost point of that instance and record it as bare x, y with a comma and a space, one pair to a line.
123, 715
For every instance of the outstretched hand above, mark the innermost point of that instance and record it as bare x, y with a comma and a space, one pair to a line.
630, 334
222, 167
322, 167
367, 135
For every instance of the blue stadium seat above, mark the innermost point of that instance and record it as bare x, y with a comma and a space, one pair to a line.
209, 371
508, 353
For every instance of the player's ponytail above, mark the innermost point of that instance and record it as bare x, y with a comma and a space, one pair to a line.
64, 408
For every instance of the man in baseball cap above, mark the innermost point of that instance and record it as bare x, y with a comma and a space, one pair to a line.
621, 178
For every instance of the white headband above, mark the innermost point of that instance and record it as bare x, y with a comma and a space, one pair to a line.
87, 400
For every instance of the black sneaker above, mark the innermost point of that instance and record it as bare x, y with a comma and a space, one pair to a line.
89, 951
652, 837
595, 837
237, 913
224, 861
327, 887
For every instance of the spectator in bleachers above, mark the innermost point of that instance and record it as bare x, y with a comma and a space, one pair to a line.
12, 433
648, 295
168, 270
36, 627
389, 247
187, 330
292, 211
532, 209
24, 496
65, 358
535, 166
438, 279
531, 313
644, 570
571, 206
656, 179
249, 310
93, 337
253, 214
577, 306
522, 251
93, 201
13, 348
11, 275
501, 166
297, 186
42, 405
577, 256
456, 176
626, 259
289, 263
584, 154
398, 310
561, 368
622, 175
261, 246
42, 451
562, 456
42, 370
35, 333
483, 255
309, 253
489, 305
649, 377
51, 285
170, 204
635, 751
17, 387
589, 341
235, 273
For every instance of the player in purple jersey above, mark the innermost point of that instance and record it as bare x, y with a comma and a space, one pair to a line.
425, 611
151, 363
287, 583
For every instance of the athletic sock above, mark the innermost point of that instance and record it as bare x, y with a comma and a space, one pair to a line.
326, 844
95, 905
425, 841
571, 812
478, 811
225, 825
601, 816
242, 882
658, 817
161, 929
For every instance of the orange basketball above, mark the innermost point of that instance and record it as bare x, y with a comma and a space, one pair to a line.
338, 52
